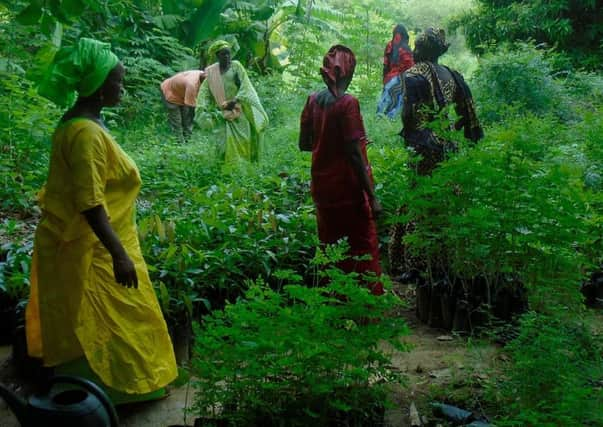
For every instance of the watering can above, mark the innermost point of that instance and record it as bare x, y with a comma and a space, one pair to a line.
85, 406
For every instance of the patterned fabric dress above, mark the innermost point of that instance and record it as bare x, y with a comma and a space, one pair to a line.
428, 89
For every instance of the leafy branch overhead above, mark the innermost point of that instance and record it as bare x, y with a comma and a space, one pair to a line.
575, 27
253, 27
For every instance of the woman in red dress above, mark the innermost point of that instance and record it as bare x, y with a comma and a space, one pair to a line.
397, 58
342, 183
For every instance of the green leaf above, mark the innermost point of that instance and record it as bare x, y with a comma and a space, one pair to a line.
31, 14
48, 24
188, 303
167, 22
205, 20
174, 6
263, 13
44, 56
73, 8
164, 296
57, 36
206, 303
57, 11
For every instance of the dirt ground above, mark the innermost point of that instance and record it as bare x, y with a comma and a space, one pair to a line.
438, 366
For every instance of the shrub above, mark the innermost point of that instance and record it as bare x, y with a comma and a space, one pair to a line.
513, 204
574, 27
299, 356
203, 231
590, 132
15, 264
23, 147
517, 79
552, 376
222, 236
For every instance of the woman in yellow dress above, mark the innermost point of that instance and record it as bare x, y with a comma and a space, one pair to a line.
92, 309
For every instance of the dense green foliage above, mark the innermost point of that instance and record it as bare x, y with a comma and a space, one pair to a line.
206, 240
300, 356
510, 205
526, 202
14, 269
563, 363
520, 79
575, 27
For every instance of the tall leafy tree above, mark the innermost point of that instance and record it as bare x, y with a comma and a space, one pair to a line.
573, 26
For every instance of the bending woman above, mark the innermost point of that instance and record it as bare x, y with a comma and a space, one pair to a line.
342, 184
92, 310
179, 95
228, 95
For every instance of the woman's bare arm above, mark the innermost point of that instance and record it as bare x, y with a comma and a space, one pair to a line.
123, 267
354, 156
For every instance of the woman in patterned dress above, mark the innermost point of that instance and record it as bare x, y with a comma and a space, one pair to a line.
429, 88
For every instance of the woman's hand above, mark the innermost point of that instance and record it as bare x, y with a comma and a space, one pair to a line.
125, 271
230, 104
123, 267
354, 155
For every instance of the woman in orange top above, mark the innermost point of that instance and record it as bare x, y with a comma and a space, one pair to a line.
179, 94
92, 310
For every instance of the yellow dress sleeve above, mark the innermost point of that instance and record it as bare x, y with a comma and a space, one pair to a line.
88, 165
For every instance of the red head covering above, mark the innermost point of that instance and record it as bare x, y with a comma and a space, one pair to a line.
338, 68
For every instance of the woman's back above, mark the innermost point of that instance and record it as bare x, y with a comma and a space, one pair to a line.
333, 123
428, 89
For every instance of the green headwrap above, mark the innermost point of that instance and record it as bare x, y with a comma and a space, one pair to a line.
215, 47
81, 69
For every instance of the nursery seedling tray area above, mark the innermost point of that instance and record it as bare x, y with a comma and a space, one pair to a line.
435, 362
